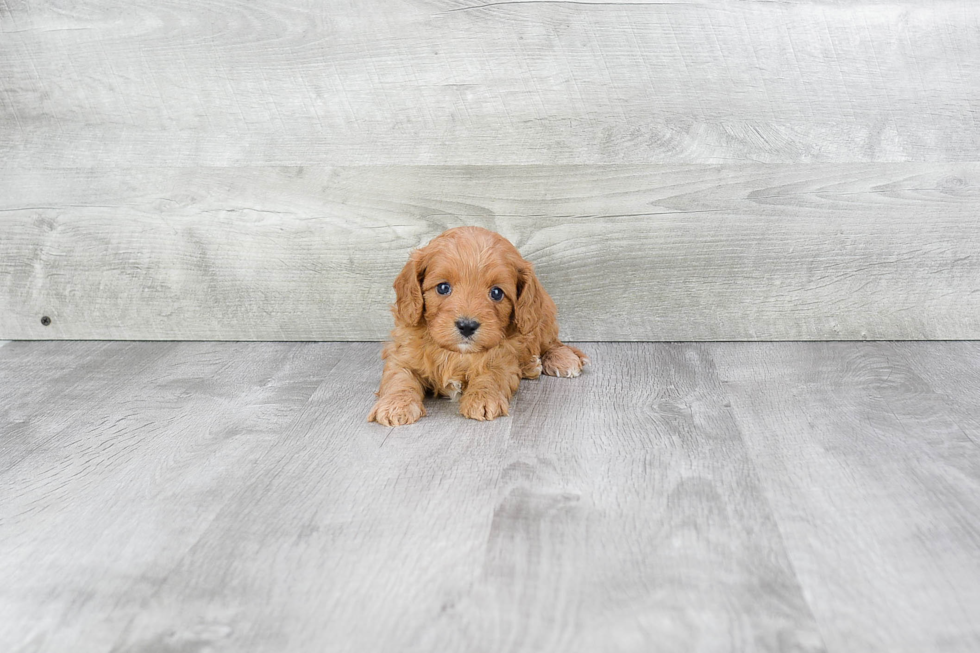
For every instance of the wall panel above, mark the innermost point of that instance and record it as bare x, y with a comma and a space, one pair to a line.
629, 252
682, 170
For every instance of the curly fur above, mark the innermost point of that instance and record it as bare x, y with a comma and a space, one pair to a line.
517, 337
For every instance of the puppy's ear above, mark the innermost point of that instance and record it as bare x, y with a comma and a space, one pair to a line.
532, 304
408, 291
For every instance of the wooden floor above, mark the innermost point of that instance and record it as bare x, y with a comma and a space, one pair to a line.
191, 497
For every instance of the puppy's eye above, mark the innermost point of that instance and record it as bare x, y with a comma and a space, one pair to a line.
444, 288
496, 294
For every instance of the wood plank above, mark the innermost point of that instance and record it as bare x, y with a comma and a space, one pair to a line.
937, 366
465, 82
733, 252
628, 517
126, 481
241, 502
31, 377
874, 482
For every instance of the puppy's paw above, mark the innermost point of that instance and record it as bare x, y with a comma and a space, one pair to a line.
532, 368
563, 361
483, 406
396, 410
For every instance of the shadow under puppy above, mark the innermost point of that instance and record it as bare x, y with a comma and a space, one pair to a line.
471, 320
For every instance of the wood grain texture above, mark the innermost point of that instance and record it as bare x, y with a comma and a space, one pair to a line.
232, 497
243, 83
678, 171
955, 361
747, 252
874, 481
676, 497
118, 478
623, 502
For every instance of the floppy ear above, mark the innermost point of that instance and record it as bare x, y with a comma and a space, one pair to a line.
531, 308
408, 291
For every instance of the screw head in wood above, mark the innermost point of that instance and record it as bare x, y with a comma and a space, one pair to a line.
46, 321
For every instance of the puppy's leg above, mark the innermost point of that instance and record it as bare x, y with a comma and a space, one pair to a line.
487, 396
399, 398
531, 368
563, 360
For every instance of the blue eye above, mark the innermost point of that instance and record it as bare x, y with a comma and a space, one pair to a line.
444, 288
496, 294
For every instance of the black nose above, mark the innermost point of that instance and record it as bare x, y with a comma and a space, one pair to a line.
466, 326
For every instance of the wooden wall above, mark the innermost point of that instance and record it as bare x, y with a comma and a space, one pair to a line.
727, 170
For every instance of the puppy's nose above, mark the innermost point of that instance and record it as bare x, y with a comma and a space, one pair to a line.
466, 326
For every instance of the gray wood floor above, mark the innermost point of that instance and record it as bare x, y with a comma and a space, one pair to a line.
678, 497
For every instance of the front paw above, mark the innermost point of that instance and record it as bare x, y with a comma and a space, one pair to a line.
564, 361
397, 410
483, 406
531, 369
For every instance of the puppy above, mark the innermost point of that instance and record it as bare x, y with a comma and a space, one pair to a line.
471, 320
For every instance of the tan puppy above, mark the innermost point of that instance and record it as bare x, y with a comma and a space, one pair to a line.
471, 320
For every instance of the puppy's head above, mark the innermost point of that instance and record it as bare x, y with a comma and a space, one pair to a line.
471, 288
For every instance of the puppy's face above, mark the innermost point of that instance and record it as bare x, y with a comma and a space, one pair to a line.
468, 281
469, 297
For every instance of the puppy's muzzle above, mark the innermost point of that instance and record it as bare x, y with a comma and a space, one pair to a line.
466, 326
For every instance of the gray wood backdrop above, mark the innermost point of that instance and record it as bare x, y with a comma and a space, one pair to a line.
260, 170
